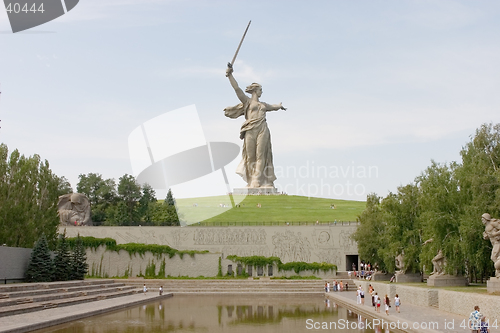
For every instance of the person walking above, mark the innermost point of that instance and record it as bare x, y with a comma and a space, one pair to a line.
144, 289
376, 301
387, 303
397, 303
362, 295
484, 325
475, 320
160, 291
358, 296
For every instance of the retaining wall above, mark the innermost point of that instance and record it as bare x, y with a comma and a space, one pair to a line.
13, 262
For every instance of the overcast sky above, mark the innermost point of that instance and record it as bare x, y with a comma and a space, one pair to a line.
378, 87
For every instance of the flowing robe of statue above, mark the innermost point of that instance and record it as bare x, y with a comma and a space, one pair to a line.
256, 166
257, 137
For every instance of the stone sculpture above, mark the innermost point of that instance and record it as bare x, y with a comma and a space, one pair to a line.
74, 209
400, 264
492, 232
439, 262
256, 166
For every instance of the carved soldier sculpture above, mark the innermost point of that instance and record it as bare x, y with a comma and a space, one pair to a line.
492, 232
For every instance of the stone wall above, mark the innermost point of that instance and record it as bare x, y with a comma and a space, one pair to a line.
13, 262
103, 263
318, 243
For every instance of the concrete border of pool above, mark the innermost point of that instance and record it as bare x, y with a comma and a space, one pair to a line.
42, 319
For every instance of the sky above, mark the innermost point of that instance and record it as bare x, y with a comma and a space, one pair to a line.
374, 90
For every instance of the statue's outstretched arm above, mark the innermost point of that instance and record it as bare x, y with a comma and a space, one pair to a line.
274, 107
241, 95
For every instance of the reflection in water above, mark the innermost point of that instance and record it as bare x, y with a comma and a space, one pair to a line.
208, 314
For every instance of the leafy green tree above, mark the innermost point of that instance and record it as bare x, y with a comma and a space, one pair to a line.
147, 203
28, 199
129, 193
370, 234
479, 182
164, 215
79, 266
62, 260
64, 187
101, 193
40, 267
403, 231
441, 204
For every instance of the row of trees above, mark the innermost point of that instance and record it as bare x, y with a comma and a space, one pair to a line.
440, 210
66, 265
29, 192
127, 203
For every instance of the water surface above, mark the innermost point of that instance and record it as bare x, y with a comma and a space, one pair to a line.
234, 314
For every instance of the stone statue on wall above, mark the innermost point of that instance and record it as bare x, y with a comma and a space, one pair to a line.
256, 166
439, 262
492, 232
74, 209
400, 264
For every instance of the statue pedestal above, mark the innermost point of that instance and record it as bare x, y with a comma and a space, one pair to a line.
256, 191
445, 280
493, 285
408, 277
378, 276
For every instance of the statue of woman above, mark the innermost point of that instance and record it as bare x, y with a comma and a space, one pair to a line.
256, 166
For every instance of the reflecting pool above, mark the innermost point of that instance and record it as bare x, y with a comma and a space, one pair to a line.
235, 314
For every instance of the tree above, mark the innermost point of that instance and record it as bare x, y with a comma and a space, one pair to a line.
62, 260
101, 193
146, 203
370, 234
28, 199
79, 266
441, 206
40, 267
129, 193
164, 215
169, 200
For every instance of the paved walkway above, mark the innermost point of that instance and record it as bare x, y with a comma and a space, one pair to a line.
41, 319
417, 318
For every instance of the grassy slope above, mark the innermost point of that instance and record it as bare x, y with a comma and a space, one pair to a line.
278, 208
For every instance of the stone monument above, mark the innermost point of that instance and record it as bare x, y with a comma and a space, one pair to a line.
492, 232
74, 209
401, 274
256, 166
439, 278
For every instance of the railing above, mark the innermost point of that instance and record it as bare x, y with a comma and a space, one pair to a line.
13, 280
273, 223
239, 224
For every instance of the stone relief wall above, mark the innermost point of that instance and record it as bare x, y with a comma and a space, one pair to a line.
317, 243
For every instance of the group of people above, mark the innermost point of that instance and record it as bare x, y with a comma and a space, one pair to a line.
145, 290
478, 322
365, 271
337, 286
377, 301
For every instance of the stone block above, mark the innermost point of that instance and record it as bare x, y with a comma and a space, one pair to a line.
493, 285
446, 280
408, 277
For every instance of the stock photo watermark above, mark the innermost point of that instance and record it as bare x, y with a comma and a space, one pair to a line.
26, 14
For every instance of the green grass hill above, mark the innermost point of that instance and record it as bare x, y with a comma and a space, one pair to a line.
273, 209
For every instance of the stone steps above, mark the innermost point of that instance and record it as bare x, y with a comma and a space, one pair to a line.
250, 286
51, 295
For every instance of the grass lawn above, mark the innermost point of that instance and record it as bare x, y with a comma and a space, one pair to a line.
274, 208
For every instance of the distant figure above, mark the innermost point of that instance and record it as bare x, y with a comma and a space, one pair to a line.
144, 289
160, 290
